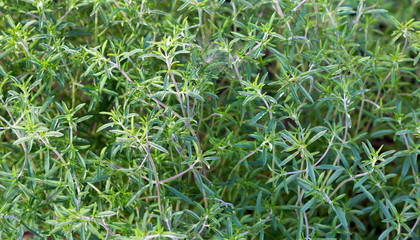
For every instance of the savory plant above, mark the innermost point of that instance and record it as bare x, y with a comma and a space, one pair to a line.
209, 119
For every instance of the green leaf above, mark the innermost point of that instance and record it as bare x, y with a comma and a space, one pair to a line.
27, 191
385, 210
311, 172
96, 7
21, 140
106, 214
84, 118
309, 204
173, 235
381, 133
41, 36
368, 194
195, 95
360, 181
305, 93
334, 176
289, 158
106, 125
81, 160
257, 117
318, 135
179, 194
158, 147
343, 159
246, 3
32, 230
375, 11
53, 134
258, 206
385, 233
137, 195
2, 72
340, 215
244, 145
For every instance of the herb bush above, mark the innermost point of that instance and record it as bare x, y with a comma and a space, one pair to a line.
209, 119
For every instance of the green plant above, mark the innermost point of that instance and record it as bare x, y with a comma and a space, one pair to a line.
209, 119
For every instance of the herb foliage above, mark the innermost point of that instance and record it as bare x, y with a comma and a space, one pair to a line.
209, 119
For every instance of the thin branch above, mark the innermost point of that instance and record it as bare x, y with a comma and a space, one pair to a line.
413, 228
65, 15
298, 6
325, 153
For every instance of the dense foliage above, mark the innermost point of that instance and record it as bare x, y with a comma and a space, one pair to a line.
209, 119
